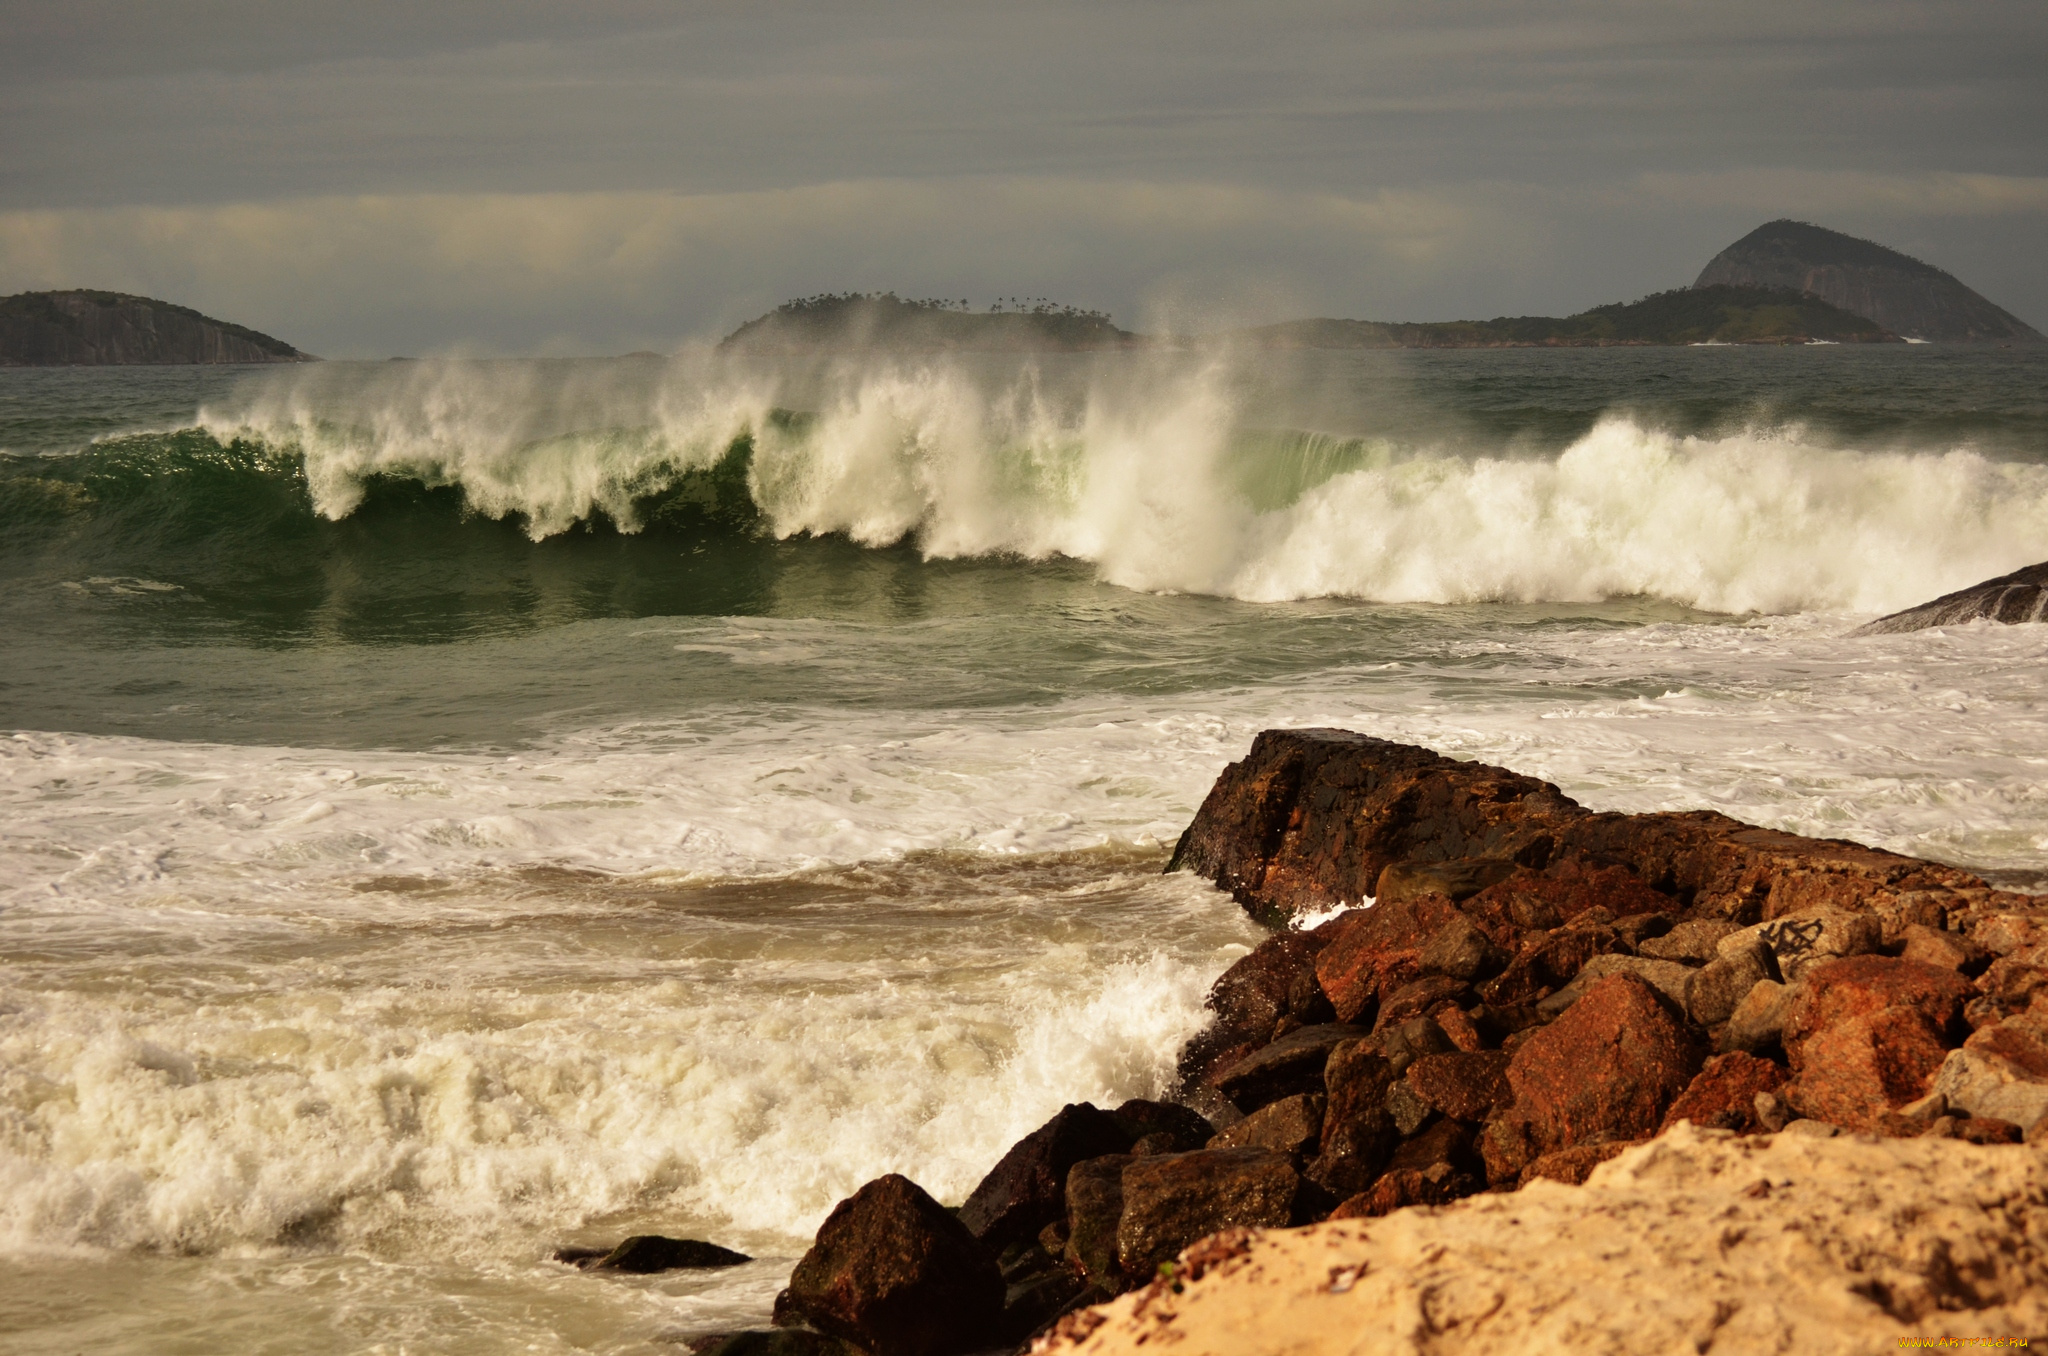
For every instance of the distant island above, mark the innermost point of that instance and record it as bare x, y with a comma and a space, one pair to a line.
1907, 297
841, 321
86, 328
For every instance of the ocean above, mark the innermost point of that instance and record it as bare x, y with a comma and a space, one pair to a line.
456, 809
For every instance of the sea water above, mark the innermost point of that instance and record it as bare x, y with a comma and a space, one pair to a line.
457, 809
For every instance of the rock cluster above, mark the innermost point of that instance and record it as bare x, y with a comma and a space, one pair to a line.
1534, 989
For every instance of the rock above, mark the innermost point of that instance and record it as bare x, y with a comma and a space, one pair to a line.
1799, 943
1290, 1065
1723, 1096
1403, 1044
1465, 1087
1371, 952
1407, 1110
1811, 1129
893, 1271
1186, 1128
89, 328
1095, 1206
1290, 1126
1605, 1070
643, 1254
1174, 1199
2001, 1072
1034, 1299
1549, 961
1696, 1241
1717, 988
1574, 1165
1357, 1133
771, 1342
1261, 988
2021, 596
1421, 998
1771, 1112
1988, 1130
1947, 950
2022, 935
1691, 942
1461, 951
1758, 1022
1455, 881
1667, 977
1460, 1029
1866, 1035
1027, 1189
1312, 818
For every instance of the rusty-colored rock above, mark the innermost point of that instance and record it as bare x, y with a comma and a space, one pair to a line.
1027, 1190
1171, 1200
1371, 952
1465, 1087
1723, 1095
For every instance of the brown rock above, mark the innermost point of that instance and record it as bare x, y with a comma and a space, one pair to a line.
1465, 1087
1183, 1126
1668, 977
771, 1342
1260, 988
1460, 1029
1691, 942
1758, 1022
1605, 1070
1421, 998
1461, 951
1573, 1166
1095, 1206
1944, 950
1174, 1199
893, 1271
645, 1254
1987, 1130
1027, 1190
1456, 880
1867, 1034
1723, 1095
1370, 952
1548, 961
1402, 1187
1289, 1126
1357, 1133
1292, 1064
1717, 988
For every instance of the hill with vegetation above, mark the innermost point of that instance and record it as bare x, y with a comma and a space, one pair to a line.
85, 328
1901, 293
1695, 315
849, 321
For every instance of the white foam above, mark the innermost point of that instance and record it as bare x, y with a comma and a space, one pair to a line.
1135, 465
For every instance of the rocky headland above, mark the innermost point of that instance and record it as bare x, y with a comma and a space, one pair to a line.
1904, 295
2015, 598
1510, 1074
85, 328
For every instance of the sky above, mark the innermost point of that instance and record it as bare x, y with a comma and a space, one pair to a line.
511, 176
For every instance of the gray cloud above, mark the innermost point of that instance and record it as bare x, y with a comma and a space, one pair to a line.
1547, 156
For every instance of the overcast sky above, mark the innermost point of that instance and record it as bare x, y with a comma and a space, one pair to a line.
368, 178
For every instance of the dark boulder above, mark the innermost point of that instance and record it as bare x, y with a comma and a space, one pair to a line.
893, 1271
1421, 998
1357, 1133
643, 1254
1465, 1087
1027, 1189
1293, 1064
2021, 596
1095, 1206
1289, 1126
1185, 1128
1172, 1200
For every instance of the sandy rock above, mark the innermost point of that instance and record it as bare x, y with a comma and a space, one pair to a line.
1290, 1065
1290, 1126
2022, 935
1699, 1242
2001, 1072
1027, 1189
1758, 1022
1723, 1095
1692, 942
1717, 988
893, 1271
1800, 942
1948, 950
1174, 1199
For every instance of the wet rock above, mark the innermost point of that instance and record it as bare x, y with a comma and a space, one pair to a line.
1867, 1034
1421, 998
1027, 1189
1606, 1070
1717, 988
1095, 1206
1403, 1044
1461, 951
1667, 977
771, 1342
1372, 952
893, 1271
1290, 1065
2001, 1072
1691, 943
1946, 950
1723, 1096
1399, 1188
1357, 1133
1758, 1022
1290, 1126
1548, 962
643, 1254
1261, 988
1465, 1087
2021, 596
1034, 1299
1458, 880
1174, 1199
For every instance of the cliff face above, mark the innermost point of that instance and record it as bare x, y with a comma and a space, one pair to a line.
1897, 291
81, 328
